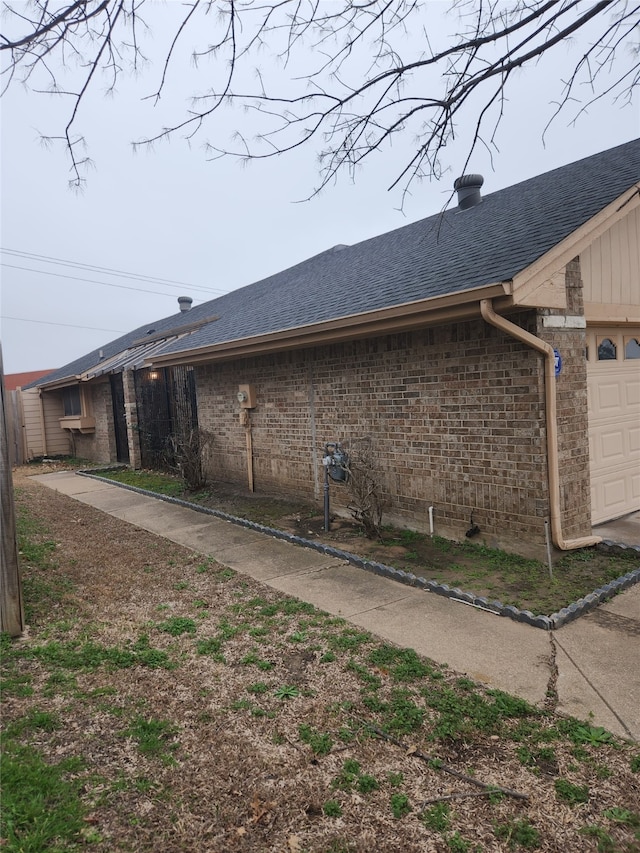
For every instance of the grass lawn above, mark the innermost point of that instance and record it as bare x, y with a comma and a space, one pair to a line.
162, 702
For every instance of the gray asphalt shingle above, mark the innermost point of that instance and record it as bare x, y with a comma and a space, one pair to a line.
445, 253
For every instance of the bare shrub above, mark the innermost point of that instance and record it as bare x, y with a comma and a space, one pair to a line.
366, 487
186, 454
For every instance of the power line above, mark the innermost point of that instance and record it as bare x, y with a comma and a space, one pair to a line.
86, 280
166, 282
67, 325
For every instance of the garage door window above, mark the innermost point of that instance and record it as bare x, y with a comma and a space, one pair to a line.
606, 350
631, 348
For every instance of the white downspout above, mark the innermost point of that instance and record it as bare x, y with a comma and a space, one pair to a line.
490, 316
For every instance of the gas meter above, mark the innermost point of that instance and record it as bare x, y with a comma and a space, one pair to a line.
336, 462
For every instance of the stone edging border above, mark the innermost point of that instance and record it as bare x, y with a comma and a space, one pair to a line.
547, 623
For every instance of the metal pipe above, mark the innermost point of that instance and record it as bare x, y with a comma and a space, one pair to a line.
245, 418
548, 541
431, 521
553, 465
326, 496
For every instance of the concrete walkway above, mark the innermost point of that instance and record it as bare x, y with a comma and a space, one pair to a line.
596, 658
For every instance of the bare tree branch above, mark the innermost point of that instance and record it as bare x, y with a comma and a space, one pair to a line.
347, 78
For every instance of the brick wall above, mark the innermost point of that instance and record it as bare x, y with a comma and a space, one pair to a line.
99, 446
131, 415
572, 409
456, 414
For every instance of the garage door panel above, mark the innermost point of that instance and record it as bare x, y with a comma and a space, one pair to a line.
615, 493
614, 444
608, 398
633, 393
614, 430
612, 447
612, 494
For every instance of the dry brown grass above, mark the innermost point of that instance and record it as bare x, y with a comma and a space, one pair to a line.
234, 770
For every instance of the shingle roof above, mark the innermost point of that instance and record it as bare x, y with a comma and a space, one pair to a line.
445, 253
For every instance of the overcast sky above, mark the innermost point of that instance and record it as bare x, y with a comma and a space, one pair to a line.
172, 214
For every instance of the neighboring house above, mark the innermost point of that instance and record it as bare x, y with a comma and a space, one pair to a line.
31, 432
490, 353
14, 381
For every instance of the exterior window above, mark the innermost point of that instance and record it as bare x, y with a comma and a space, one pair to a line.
632, 348
71, 402
606, 350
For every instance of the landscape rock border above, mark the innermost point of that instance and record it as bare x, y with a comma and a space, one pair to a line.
547, 623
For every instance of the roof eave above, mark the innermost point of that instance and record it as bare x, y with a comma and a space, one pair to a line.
464, 304
541, 284
65, 382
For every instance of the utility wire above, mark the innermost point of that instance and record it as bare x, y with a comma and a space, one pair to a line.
167, 282
87, 280
67, 325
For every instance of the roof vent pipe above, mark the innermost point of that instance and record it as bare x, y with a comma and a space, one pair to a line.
468, 189
185, 303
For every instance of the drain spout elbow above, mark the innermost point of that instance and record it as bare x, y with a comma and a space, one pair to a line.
553, 465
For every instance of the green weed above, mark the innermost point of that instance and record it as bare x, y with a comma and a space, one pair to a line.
367, 783
402, 664
155, 738
437, 817
178, 625
332, 808
320, 742
287, 691
400, 805
592, 735
518, 833
373, 682
605, 842
457, 844
252, 659
349, 640
405, 715
211, 646
572, 794
297, 637
621, 815
351, 776
74, 656
34, 720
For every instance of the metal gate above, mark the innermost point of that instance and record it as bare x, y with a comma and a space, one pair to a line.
119, 418
167, 407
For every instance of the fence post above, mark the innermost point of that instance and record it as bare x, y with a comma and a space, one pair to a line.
11, 609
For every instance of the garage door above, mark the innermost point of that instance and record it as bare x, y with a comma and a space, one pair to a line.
613, 373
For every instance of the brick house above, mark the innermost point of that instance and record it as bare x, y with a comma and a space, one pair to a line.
490, 354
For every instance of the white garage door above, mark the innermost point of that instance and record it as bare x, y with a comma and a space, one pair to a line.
613, 374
